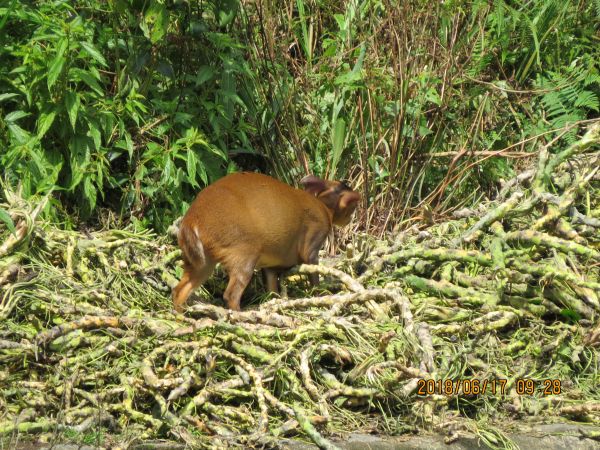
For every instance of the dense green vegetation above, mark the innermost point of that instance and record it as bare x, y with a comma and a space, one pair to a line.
134, 106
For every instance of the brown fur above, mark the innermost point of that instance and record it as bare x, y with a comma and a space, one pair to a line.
247, 220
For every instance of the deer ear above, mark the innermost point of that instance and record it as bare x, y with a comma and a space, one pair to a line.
349, 200
313, 185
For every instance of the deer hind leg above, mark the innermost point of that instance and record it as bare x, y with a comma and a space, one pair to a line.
240, 273
193, 276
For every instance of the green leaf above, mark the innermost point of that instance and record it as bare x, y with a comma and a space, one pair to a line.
107, 120
72, 102
361, 58
341, 21
202, 171
95, 133
93, 52
90, 192
306, 41
7, 13
339, 134
217, 151
79, 147
204, 74
424, 131
15, 115
129, 143
57, 63
88, 78
44, 122
8, 96
432, 96
156, 22
167, 171
20, 135
5, 218
191, 167
226, 11
355, 74
348, 78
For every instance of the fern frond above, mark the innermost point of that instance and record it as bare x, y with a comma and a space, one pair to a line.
481, 58
570, 93
568, 99
588, 100
553, 104
591, 78
498, 18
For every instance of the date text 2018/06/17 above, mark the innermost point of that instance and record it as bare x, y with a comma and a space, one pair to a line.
499, 386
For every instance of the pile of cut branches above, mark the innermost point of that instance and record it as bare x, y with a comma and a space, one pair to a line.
489, 317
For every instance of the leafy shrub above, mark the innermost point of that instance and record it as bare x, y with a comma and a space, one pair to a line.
128, 104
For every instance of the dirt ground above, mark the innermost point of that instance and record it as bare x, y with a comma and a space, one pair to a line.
547, 437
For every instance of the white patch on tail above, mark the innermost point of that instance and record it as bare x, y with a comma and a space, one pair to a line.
191, 245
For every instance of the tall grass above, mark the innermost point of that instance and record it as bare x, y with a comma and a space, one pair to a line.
406, 98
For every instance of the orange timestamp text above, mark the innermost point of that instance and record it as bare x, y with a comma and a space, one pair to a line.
498, 386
